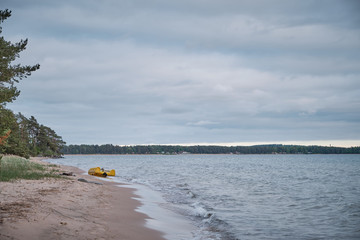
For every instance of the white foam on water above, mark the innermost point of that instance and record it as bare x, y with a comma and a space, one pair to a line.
175, 226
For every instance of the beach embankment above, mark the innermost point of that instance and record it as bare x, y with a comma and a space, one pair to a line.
66, 208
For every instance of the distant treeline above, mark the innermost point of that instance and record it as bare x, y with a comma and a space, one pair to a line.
175, 149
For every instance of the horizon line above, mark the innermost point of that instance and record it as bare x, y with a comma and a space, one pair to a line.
324, 143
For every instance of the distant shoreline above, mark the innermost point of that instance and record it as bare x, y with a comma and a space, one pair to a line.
211, 149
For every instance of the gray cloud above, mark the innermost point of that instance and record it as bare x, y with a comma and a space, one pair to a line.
139, 72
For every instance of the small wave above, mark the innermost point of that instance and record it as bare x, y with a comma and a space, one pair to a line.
351, 209
201, 211
214, 227
182, 185
191, 194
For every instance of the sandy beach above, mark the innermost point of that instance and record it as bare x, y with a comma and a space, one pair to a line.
70, 209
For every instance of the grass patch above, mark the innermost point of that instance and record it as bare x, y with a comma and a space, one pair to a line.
53, 165
13, 168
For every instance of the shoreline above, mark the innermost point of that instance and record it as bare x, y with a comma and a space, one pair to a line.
70, 209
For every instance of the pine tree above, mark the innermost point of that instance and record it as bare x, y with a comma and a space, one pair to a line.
19, 135
11, 74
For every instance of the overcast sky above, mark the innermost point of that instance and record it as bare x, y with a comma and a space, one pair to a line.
191, 71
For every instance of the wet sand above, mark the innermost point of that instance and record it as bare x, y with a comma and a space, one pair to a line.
70, 209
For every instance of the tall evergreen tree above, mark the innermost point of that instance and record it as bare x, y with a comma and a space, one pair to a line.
11, 74
18, 134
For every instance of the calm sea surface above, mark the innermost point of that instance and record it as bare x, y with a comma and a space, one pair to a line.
248, 196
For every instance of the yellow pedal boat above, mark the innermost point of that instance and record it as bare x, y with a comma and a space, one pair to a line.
110, 172
100, 172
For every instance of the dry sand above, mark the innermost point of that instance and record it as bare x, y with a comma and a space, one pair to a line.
70, 209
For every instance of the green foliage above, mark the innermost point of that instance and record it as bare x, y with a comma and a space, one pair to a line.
14, 144
28, 137
13, 168
11, 74
170, 149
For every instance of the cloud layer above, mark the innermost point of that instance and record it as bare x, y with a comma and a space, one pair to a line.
141, 72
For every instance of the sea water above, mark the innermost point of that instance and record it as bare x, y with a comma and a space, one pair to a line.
246, 196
